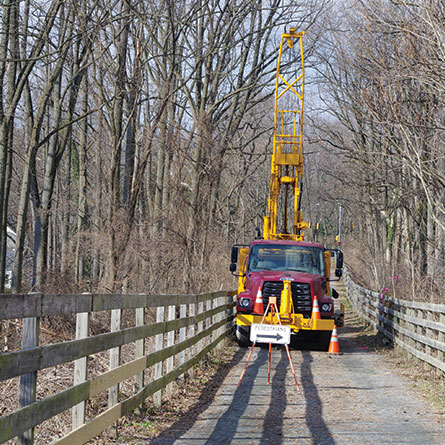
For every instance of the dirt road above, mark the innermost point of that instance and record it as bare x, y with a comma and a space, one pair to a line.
353, 398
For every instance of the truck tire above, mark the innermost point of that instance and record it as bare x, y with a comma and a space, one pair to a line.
242, 334
311, 340
339, 318
324, 340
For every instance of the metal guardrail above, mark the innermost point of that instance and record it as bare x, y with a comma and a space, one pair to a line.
187, 327
415, 326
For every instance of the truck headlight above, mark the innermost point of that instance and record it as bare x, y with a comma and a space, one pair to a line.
326, 307
244, 302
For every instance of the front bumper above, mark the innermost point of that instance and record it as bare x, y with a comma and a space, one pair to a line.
296, 323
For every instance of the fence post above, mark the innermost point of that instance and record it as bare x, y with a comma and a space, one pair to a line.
403, 323
214, 319
138, 353
115, 356
428, 350
28, 382
159, 344
412, 327
222, 302
191, 333
441, 338
418, 329
200, 326
169, 364
80, 369
229, 312
182, 335
208, 321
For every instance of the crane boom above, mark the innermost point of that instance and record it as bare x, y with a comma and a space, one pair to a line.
287, 157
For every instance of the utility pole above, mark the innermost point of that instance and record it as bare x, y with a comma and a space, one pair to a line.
339, 225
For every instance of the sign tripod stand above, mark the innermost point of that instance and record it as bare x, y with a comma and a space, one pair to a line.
271, 307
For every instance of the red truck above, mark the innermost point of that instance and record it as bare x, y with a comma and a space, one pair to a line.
265, 267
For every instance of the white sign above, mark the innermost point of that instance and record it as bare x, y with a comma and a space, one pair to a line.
270, 333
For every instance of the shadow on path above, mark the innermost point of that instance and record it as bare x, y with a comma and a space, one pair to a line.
273, 422
320, 432
187, 420
227, 424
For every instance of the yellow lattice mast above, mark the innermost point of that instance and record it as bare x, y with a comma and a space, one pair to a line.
287, 157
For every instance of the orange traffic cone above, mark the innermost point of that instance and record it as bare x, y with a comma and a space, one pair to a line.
258, 306
333, 345
315, 310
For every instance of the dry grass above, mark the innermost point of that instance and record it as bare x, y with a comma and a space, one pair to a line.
187, 393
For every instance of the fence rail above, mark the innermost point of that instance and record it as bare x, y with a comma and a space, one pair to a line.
191, 327
417, 327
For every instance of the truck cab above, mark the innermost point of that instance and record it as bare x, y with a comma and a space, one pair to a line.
265, 266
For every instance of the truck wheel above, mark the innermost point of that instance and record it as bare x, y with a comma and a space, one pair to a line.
242, 334
324, 340
339, 318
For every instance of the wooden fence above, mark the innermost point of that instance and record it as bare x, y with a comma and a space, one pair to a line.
415, 326
187, 327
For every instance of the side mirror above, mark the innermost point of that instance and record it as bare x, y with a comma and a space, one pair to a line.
338, 273
339, 261
232, 267
334, 293
234, 255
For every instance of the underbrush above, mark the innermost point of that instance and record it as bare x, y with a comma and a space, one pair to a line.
402, 280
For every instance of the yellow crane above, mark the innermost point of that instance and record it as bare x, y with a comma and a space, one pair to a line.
281, 264
287, 156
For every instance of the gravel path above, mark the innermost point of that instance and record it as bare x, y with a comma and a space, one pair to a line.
353, 398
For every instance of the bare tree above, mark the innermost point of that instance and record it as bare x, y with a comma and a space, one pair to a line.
386, 83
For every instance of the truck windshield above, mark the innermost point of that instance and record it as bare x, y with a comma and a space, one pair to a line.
281, 257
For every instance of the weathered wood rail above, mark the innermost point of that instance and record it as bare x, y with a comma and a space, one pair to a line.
417, 327
191, 327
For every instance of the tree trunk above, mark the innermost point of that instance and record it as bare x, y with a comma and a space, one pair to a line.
115, 222
9, 35
81, 205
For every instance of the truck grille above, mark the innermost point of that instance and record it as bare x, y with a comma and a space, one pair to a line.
301, 296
